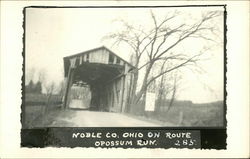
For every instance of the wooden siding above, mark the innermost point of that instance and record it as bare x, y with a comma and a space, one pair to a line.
99, 56
113, 95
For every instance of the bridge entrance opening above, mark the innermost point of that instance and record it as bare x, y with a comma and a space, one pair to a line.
91, 86
101, 77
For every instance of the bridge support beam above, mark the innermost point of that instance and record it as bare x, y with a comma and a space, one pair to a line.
69, 83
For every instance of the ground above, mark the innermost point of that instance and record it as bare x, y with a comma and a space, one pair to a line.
38, 114
85, 118
188, 115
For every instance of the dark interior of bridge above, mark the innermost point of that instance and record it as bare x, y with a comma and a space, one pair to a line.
96, 76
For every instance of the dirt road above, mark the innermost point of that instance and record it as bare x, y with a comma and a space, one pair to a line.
86, 118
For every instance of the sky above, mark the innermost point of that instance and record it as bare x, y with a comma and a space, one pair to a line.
53, 33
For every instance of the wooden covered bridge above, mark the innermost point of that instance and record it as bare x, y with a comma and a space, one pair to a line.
107, 76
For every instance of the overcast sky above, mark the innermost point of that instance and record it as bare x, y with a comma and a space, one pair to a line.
52, 34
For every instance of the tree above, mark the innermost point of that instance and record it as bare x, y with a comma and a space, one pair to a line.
38, 87
30, 87
156, 45
49, 88
33, 87
29, 75
167, 88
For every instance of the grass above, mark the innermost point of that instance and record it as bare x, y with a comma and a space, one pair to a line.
32, 113
180, 114
199, 115
38, 116
37, 106
41, 99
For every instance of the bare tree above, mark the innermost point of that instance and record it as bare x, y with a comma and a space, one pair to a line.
166, 87
174, 91
158, 43
42, 76
49, 88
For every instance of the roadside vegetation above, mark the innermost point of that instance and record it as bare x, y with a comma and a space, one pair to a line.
185, 113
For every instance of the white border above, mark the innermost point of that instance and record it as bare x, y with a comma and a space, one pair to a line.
237, 86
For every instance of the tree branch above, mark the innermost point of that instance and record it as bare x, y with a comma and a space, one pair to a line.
176, 67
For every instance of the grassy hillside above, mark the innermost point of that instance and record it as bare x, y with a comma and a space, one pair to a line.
186, 113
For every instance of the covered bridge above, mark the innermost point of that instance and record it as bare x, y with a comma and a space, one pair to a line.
107, 76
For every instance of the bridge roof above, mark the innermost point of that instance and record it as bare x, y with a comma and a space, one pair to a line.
67, 58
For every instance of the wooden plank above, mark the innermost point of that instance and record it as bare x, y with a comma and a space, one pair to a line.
115, 58
117, 95
68, 85
80, 60
84, 58
125, 89
121, 62
99, 56
125, 95
130, 89
114, 96
121, 94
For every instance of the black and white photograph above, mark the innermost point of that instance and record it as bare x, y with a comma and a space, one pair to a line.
123, 79
124, 67
133, 68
